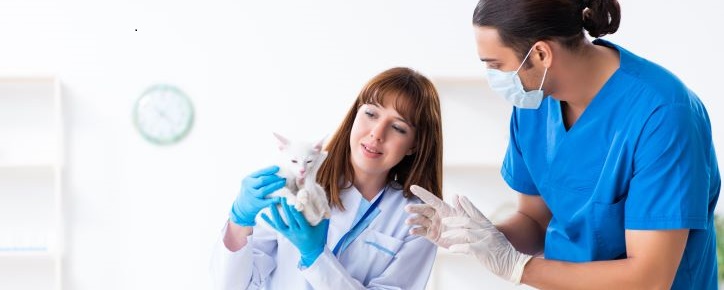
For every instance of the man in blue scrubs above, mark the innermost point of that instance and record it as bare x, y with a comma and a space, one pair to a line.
616, 166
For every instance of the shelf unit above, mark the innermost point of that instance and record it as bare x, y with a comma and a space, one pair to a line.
31, 221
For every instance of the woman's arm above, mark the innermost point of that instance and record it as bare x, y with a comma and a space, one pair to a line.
653, 258
235, 236
241, 260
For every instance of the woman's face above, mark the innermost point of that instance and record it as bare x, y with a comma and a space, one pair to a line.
380, 138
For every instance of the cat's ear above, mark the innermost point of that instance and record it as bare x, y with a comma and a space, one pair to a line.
283, 142
318, 146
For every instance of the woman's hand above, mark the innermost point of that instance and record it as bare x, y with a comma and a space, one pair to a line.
309, 240
251, 199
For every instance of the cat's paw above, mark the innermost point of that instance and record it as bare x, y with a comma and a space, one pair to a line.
303, 196
299, 206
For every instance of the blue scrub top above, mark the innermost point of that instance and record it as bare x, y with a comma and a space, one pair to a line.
640, 157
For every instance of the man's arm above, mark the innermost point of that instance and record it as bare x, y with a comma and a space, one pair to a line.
653, 258
526, 229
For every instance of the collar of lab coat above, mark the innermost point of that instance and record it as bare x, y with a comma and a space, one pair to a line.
341, 221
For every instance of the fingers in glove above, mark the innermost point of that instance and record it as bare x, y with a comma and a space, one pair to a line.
421, 209
299, 219
419, 231
276, 221
266, 190
458, 236
270, 201
461, 223
470, 209
264, 180
458, 207
266, 171
419, 220
427, 197
464, 248
288, 213
269, 221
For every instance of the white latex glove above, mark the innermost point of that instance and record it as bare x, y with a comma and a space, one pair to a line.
427, 219
476, 235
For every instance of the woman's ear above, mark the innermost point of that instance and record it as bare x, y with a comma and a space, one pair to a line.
410, 151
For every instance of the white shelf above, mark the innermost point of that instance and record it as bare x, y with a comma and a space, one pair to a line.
28, 272
30, 183
27, 207
38, 254
29, 120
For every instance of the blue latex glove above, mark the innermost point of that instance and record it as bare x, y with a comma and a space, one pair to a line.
309, 240
251, 199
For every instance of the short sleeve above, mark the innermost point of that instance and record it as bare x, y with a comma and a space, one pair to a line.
671, 171
514, 170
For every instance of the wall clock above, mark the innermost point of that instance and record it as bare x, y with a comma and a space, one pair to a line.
163, 114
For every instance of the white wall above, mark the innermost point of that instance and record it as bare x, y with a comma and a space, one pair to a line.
145, 217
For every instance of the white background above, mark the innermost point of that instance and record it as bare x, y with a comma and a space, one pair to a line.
140, 216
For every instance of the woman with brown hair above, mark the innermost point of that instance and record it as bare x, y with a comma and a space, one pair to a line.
391, 138
611, 154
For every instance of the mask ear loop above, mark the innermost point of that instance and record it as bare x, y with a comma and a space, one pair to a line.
544, 78
524, 59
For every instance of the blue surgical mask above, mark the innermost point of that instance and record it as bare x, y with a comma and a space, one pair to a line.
509, 86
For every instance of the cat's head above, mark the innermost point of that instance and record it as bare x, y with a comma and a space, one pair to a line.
298, 157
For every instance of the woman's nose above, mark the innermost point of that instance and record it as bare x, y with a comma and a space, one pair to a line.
378, 131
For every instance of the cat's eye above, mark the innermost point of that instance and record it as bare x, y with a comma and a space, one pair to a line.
309, 161
294, 161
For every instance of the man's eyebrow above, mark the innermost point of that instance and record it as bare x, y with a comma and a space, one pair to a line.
487, 59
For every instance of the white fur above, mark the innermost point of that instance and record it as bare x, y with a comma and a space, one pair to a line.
299, 164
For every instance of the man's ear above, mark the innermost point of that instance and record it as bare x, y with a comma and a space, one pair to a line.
543, 53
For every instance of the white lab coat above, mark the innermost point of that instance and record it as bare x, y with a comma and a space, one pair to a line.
383, 256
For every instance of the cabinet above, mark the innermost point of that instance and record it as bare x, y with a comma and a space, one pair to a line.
31, 221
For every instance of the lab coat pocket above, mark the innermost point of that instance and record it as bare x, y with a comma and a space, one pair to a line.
383, 243
380, 250
609, 229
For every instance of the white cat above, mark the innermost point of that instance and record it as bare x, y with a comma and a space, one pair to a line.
299, 164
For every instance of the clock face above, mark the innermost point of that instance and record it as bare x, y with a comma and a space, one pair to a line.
163, 114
